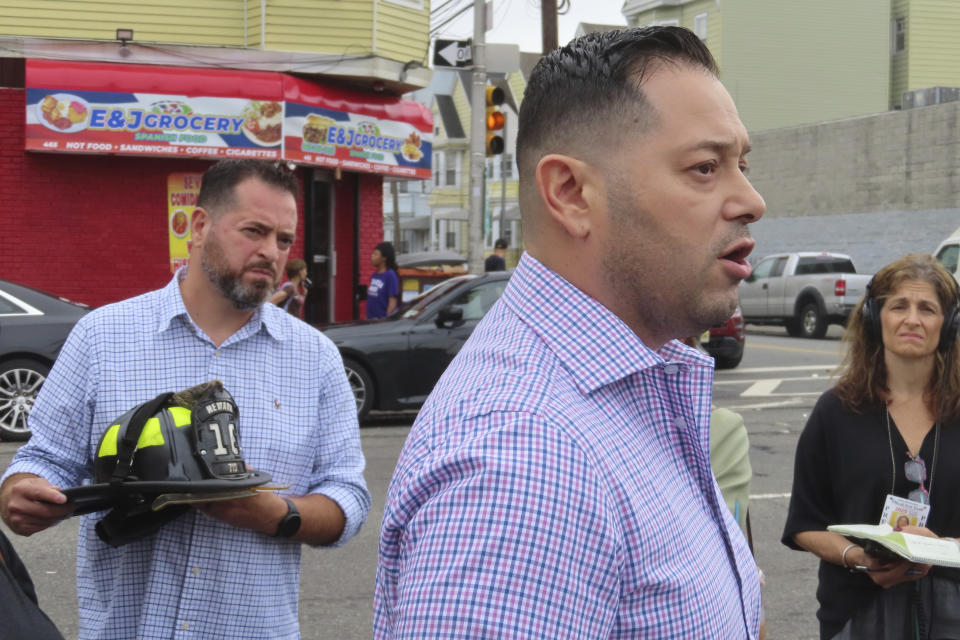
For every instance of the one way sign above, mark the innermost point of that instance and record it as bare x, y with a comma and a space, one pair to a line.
453, 54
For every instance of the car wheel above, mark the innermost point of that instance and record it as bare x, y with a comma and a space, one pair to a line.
731, 361
812, 322
362, 386
20, 381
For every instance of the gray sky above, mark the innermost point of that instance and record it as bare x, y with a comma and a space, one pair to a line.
518, 21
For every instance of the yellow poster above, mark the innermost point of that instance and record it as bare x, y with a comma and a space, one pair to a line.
182, 191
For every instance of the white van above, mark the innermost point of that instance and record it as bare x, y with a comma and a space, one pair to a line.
948, 254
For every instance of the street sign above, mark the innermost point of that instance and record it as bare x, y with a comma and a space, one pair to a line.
452, 54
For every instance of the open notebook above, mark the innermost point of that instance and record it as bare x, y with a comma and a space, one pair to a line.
919, 549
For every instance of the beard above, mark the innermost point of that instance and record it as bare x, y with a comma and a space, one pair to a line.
662, 280
244, 297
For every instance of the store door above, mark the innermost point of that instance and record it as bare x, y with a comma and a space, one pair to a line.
318, 250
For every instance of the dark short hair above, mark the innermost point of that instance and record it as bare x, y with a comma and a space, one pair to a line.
590, 89
220, 180
500, 244
293, 267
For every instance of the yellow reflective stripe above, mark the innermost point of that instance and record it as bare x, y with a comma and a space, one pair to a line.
108, 445
151, 436
182, 416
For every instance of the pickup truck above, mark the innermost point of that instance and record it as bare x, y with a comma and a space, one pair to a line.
804, 292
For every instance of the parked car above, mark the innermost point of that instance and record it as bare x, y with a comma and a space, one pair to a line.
726, 341
33, 327
803, 292
948, 254
394, 363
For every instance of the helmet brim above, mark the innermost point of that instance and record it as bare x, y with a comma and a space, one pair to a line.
97, 497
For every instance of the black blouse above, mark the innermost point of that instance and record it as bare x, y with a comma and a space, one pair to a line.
842, 475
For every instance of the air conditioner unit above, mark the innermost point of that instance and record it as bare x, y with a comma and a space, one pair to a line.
929, 96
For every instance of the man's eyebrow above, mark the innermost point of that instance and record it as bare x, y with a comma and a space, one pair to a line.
723, 146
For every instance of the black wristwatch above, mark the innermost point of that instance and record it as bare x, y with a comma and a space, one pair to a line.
290, 523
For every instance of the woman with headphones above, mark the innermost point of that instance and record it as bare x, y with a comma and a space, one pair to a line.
882, 444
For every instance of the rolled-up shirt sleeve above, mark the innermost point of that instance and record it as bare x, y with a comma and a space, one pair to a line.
339, 463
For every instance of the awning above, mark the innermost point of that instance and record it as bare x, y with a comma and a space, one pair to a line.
84, 107
429, 259
417, 223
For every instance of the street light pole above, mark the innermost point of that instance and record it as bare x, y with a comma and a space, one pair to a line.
478, 129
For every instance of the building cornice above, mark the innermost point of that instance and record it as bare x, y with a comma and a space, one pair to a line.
365, 71
632, 7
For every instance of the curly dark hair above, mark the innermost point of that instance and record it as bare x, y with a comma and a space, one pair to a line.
863, 372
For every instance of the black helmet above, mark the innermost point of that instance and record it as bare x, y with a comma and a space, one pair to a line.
177, 448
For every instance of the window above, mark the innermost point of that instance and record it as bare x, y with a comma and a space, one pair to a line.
438, 169
490, 164
763, 269
451, 240
477, 301
948, 257
778, 267
413, 4
402, 187
700, 26
452, 165
899, 42
506, 166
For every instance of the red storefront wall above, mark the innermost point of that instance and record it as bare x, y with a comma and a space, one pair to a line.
93, 228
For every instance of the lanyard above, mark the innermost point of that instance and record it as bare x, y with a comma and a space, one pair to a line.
893, 462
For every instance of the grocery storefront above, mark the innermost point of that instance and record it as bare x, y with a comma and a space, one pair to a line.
101, 165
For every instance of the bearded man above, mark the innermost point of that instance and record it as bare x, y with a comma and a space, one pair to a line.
226, 569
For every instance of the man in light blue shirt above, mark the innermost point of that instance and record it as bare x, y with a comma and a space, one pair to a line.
225, 569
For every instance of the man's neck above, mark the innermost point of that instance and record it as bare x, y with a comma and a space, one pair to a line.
209, 309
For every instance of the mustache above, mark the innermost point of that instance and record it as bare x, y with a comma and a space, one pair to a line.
262, 265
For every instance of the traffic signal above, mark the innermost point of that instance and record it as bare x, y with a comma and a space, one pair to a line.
495, 120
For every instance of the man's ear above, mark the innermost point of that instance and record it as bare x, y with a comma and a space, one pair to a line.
200, 223
569, 189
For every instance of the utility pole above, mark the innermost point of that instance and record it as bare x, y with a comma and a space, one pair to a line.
395, 191
503, 181
548, 25
478, 140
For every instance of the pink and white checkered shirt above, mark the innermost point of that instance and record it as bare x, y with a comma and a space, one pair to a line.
557, 484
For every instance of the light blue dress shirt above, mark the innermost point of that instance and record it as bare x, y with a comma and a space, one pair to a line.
197, 577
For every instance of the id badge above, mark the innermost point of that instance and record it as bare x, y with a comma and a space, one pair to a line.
899, 512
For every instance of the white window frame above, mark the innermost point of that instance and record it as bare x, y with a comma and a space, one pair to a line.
672, 22
700, 22
438, 167
894, 32
411, 4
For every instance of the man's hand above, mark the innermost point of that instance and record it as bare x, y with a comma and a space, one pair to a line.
261, 513
28, 504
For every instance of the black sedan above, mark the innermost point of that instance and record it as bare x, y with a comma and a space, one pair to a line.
394, 363
33, 327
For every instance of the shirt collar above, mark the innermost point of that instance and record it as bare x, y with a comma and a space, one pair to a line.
591, 341
267, 317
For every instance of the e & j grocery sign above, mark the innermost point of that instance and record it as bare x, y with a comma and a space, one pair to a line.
68, 111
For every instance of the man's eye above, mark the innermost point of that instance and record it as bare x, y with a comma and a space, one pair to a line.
705, 169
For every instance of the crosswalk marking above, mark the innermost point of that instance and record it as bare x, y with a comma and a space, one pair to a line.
761, 388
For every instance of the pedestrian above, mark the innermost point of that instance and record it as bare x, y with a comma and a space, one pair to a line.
522, 502
383, 293
495, 261
294, 291
880, 441
227, 569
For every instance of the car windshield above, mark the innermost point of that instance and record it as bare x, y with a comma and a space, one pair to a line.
416, 306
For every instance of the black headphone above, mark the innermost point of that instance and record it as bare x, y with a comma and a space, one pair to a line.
949, 330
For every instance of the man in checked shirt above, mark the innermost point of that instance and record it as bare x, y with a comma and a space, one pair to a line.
228, 570
572, 418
